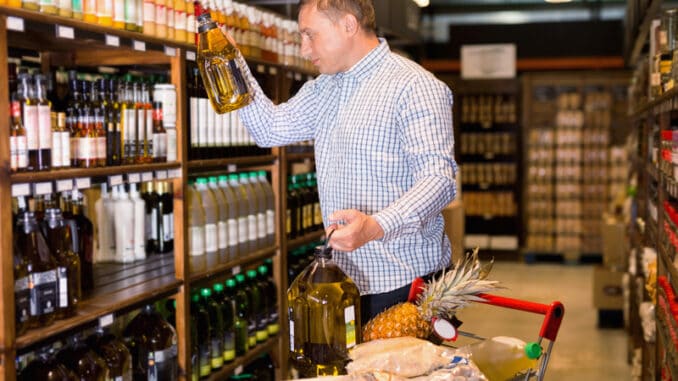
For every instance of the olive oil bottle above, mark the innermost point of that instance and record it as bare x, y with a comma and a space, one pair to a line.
324, 317
220, 69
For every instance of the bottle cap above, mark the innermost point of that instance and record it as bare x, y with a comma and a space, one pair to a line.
218, 287
206, 292
223, 178
251, 274
240, 278
212, 179
201, 180
263, 270
195, 297
230, 283
533, 350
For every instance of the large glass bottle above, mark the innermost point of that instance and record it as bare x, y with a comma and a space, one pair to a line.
22, 294
196, 230
243, 286
220, 69
222, 224
42, 271
84, 232
258, 305
68, 271
114, 353
324, 317
46, 367
270, 291
211, 211
84, 362
153, 344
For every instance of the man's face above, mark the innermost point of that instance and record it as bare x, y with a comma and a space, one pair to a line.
324, 42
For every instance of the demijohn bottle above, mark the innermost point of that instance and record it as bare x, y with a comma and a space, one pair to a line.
324, 317
114, 353
46, 368
153, 344
42, 271
68, 263
219, 67
83, 361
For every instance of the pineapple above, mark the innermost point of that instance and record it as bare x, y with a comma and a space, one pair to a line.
440, 297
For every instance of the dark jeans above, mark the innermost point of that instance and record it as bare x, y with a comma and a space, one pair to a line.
372, 305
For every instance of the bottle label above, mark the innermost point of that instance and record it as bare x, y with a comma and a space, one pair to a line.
119, 11
229, 345
65, 137
43, 288
86, 148
252, 227
160, 14
130, 12
211, 238
232, 232
30, 119
149, 11
217, 357
179, 20
159, 147
193, 104
162, 365
291, 331
261, 225
101, 147
288, 221
202, 122
75, 144
223, 235
270, 222
273, 328
197, 240
168, 227
171, 144
62, 276
242, 230
57, 158
22, 299
130, 128
18, 152
45, 127
349, 320
154, 223
262, 335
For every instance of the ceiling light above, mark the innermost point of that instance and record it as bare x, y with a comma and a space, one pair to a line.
422, 3
557, 1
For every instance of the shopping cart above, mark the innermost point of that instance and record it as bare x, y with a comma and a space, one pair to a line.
553, 316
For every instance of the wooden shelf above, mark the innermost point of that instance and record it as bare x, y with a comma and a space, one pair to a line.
222, 164
510, 158
71, 173
643, 31
301, 156
307, 238
667, 96
221, 268
247, 358
117, 288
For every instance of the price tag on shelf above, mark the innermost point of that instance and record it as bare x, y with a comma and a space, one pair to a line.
261, 69
42, 188
147, 176
231, 168
273, 70
112, 40
106, 320
174, 173
238, 370
190, 55
83, 183
64, 185
115, 180
139, 45
133, 178
65, 32
236, 270
161, 175
19, 190
15, 23
297, 76
170, 51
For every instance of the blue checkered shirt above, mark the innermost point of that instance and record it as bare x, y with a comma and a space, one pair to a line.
384, 145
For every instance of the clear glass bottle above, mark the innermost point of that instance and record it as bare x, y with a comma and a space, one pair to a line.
324, 317
220, 69
44, 124
158, 142
18, 148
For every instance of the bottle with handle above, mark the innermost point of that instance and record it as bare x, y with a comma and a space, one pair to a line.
502, 358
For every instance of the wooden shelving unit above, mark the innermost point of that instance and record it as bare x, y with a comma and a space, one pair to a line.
122, 288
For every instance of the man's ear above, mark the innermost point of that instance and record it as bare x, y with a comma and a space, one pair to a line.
350, 24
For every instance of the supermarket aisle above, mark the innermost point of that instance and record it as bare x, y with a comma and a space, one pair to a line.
582, 352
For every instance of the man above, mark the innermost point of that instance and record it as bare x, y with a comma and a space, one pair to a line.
382, 130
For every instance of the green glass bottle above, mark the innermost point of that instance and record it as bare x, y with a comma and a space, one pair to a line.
258, 306
216, 328
202, 321
251, 317
240, 324
228, 314
270, 295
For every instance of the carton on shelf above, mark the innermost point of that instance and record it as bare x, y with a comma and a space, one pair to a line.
615, 249
608, 291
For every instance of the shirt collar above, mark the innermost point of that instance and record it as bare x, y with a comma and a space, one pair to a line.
363, 68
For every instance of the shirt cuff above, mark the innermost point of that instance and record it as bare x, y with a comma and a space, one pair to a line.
390, 222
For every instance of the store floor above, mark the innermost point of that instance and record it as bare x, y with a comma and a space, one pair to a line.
581, 352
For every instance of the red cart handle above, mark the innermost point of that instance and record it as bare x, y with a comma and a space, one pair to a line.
553, 312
